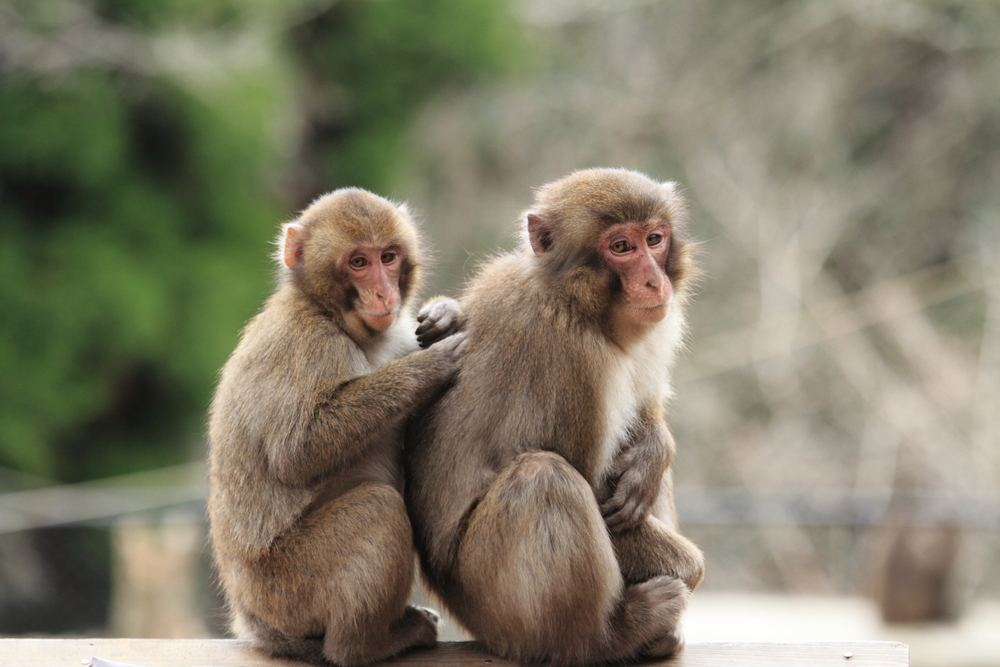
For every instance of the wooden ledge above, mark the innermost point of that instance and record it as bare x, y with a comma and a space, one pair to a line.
236, 653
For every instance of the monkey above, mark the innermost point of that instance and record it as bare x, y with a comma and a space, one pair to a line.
539, 483
307, 520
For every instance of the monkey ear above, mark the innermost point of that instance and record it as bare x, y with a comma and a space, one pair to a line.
292, 247
538, 233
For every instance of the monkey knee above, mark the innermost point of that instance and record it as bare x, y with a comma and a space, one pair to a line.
371, 512
687, 561
652, 550
534, 464
692, 571
540, 472
540, 512
379, 499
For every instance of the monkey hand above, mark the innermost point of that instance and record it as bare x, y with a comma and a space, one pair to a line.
635, 489
450, 352
439, 318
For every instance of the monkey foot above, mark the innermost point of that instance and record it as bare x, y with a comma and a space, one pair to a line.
431, 614
666, 646
422, 627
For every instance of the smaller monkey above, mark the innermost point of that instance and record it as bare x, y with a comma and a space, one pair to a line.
309, 529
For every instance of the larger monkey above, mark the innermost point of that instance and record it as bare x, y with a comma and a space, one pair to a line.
308, 524
539, 485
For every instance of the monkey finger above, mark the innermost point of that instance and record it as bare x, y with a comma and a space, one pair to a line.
429, 308
431, 316
425, 341
431, 614
427, 327
438, 326
430, 336
628, 517
625, 509
618, 522
613, 505
436, 310
435, 328
622, 464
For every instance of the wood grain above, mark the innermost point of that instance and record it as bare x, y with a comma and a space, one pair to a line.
235, 653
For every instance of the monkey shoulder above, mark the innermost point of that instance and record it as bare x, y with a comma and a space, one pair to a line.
506, 270
268, 388
293, 341
508, 301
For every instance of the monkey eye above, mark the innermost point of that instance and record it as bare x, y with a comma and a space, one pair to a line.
654, 239
619, 247
388, 257
359, 262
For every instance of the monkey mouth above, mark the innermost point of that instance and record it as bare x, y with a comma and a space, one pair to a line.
650, 308
379, 320
368, 312
650, 313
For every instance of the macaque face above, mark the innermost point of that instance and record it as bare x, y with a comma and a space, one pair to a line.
637, 253
374, 272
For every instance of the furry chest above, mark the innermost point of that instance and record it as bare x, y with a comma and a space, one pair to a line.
631, 382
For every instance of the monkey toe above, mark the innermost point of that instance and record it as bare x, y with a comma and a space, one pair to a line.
432, 614
426, 639
419, 626
276, 643
666, 646
664, 590
660, 601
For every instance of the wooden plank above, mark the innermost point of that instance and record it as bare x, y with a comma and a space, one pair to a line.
236, 653
793, 654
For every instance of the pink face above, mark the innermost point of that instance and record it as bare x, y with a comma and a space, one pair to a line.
637, 252
374, 272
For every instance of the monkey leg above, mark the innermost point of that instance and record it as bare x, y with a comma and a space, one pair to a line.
275, 642
652, 549
538, 576
341, 580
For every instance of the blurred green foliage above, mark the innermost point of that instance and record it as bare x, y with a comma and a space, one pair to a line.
137, 202
378, 60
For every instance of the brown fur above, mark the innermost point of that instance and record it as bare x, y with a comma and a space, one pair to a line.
555, 419
308, 524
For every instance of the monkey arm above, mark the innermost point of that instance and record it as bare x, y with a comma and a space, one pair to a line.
344, 420
439, 318
637, 472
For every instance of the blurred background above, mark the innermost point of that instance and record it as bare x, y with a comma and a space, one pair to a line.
838, 409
